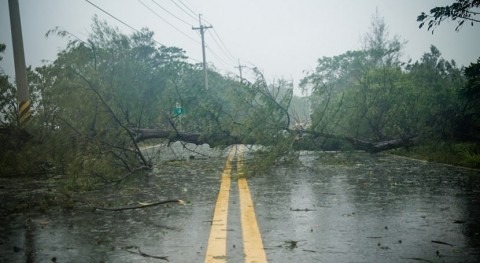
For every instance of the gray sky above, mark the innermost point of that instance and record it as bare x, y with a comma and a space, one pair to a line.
282, 38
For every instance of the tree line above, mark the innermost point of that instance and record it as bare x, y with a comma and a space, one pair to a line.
100, 99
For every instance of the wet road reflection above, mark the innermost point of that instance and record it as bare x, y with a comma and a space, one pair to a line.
368, 208
330, 207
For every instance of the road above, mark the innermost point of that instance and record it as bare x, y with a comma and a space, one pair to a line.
328, 207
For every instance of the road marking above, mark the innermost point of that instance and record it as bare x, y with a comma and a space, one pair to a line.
252, 240
217, 242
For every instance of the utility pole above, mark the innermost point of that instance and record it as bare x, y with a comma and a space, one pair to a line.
23, 97
202, 29
240, 66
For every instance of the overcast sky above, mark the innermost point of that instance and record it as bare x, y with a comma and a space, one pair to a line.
282, 38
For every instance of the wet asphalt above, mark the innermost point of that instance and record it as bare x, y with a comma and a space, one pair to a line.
327, 207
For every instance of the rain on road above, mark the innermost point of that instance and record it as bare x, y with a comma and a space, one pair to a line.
328, 207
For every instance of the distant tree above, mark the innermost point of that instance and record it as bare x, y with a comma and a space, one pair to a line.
467, 120
357, 94
436, 86
460, 11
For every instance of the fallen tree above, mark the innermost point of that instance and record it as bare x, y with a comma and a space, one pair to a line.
368, 146
214, 139
375, 147
226, 139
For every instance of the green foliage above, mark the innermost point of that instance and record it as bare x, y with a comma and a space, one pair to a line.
7, 96
90, 100
266, 157
438, 83
448, 152
468, 122
362, 94
471, 158
460, 11
371, 95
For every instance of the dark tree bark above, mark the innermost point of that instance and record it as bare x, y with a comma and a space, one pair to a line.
214, 139
225, 139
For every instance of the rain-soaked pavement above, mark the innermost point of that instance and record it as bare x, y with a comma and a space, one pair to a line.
329, 207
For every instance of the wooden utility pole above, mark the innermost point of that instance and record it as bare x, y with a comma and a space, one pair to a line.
240, 66
202, 29
23, 97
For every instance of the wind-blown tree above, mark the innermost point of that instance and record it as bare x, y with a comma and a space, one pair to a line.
437, 84
373, 100
360, 95
93, 96
104, 95
465, 119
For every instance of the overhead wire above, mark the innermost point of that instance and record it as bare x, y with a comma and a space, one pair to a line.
134, 29
172, 14
219, 58
214, 36
194, 16
112, 16
183, 33
189, 9
222, 46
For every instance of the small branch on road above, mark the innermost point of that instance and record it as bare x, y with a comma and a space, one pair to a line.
441, 243
141, 206
145, 254
302, 210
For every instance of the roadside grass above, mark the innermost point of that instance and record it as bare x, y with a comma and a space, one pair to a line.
458, 154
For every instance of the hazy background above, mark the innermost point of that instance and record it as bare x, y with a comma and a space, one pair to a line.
282, 38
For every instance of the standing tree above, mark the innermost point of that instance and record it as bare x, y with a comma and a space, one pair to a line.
360, 96
467, 115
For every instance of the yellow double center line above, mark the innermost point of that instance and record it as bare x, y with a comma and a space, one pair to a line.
252, 240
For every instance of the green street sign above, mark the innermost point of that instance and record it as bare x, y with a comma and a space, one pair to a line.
178, 111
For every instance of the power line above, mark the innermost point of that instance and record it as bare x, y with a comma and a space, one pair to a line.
134, 29
112, 16
216, 36
164, 9
185, 11
183, 33
219, 58
223, 43
223, 48
189, 9
219, 43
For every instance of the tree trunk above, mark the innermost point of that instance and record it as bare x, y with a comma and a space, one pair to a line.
214, 139
225, 139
